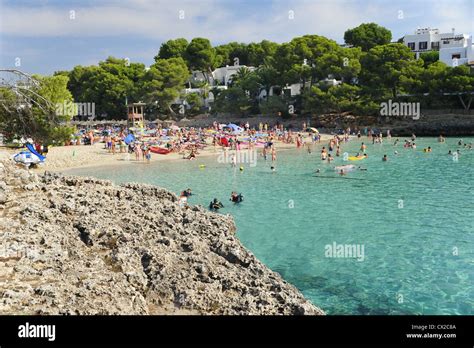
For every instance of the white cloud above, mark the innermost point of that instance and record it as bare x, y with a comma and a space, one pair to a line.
224, 21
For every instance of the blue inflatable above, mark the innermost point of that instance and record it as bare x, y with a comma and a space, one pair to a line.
129, 139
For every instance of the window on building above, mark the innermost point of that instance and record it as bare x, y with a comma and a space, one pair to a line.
411, 45
446, 42
456, 56
423, 45
435, 45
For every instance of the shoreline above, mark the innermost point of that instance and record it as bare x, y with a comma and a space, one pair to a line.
64, 158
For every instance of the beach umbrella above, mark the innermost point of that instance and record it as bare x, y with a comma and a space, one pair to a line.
313, 130
235, 129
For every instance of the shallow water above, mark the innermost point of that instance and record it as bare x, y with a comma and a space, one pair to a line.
413, 216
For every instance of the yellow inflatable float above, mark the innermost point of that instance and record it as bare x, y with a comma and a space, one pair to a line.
356, 158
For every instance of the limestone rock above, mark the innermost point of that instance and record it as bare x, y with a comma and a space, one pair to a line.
86, 246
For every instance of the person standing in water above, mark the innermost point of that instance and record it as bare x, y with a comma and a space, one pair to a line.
324, 154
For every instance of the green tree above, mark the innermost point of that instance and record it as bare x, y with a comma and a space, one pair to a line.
260, 53
233, 53
311, 58
429, 58
43, 120
194, 100
164, 81
460, 81
201, 56
274, 105
367, 36
233, 100
388, 69
172, 49
267, 77
108, 85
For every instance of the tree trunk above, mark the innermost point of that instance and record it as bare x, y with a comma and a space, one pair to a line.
469, 104
462, 102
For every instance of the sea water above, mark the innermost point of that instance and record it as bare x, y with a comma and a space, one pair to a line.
412, 217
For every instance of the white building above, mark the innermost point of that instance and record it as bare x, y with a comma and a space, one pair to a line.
454, 49
223, 76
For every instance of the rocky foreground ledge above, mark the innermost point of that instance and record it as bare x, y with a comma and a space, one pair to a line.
73, 245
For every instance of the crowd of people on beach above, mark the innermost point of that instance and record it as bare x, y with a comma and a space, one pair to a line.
262, 137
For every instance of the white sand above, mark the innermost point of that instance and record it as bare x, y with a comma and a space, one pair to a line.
68, 157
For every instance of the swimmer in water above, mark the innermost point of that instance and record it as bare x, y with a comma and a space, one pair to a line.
396, 152
385, 158
318, 171
215, 205
360, 168
236, 198
341, 173
272, 169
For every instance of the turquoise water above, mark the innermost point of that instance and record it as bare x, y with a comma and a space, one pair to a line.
413, 215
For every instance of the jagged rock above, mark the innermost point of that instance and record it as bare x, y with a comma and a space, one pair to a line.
87, 246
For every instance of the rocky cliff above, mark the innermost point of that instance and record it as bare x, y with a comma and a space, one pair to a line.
73, 245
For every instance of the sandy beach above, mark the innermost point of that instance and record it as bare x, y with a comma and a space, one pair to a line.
79, 156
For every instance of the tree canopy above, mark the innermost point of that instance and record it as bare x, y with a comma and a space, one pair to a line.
367, 36
37, 115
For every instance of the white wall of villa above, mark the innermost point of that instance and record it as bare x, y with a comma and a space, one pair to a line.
223, 76
454, 49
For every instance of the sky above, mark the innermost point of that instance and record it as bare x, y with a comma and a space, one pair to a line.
43, 36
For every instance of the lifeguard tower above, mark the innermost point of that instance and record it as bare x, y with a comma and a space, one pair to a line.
136, 117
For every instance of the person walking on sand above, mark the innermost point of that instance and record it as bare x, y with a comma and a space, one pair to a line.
113, 146
91, 137
146, 154
137, 152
